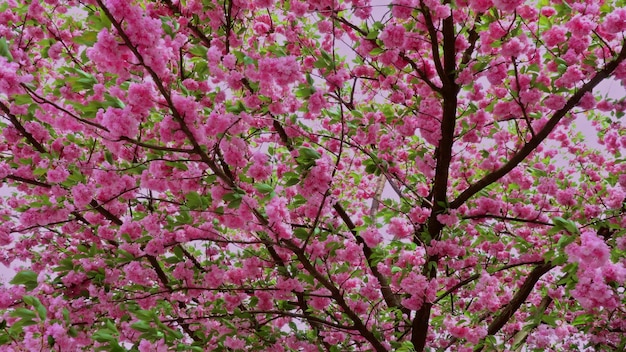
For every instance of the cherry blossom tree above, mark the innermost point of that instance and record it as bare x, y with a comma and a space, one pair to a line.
313, 175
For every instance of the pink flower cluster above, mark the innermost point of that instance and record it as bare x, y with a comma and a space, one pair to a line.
593, 289
394, 37
615, 21
119, 122
402, 9
9, 78
282, 70
507, 6
371, 236
592, 253
595, 272
400, 228
420, 290
458, 330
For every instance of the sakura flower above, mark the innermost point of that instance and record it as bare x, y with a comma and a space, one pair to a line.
593, 252
393, 37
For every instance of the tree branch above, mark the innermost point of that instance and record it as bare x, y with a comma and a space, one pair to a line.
520, 297
541, 135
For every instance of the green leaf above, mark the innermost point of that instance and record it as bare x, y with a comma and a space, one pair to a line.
304, 91
568, 225
23, 313
309, 154
549, 319
103, 335
320, 64
194, 201
88, 38
146, 315
177, 165
142, 326
565, 240
110, 325
4, 338
371, 168
372, 35
376, 51
199, 50
264, 187
292, 181
582, 319
22, 99
235, 204
36, 303
480, 65
27, 278
184, 217
301, 233
407, 346
236, 108
4, 49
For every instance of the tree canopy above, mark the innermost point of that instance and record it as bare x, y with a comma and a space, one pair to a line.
313, 175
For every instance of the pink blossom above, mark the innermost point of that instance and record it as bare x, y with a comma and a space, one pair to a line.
588, 101
593, 252
419, 215
57, 175
147, 346
402, 9
259, 170
9, 78
571, 76
289, 285
82, 194
554, 36
555, 102
264, 3
548, 11
316, 102
283, 70
5, 169
581, 25
234, 151
447, 219
592, 291
621, 243
55, 50
277, 210
109, 55
5, 236
371, 236
566, 197
507, 6
400, 228
416, 285
480, 5
140, 98
441, 11
298, 8
234, 343
513, 47
615, 21
497, 73
119, 122
394, 37
137, 274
